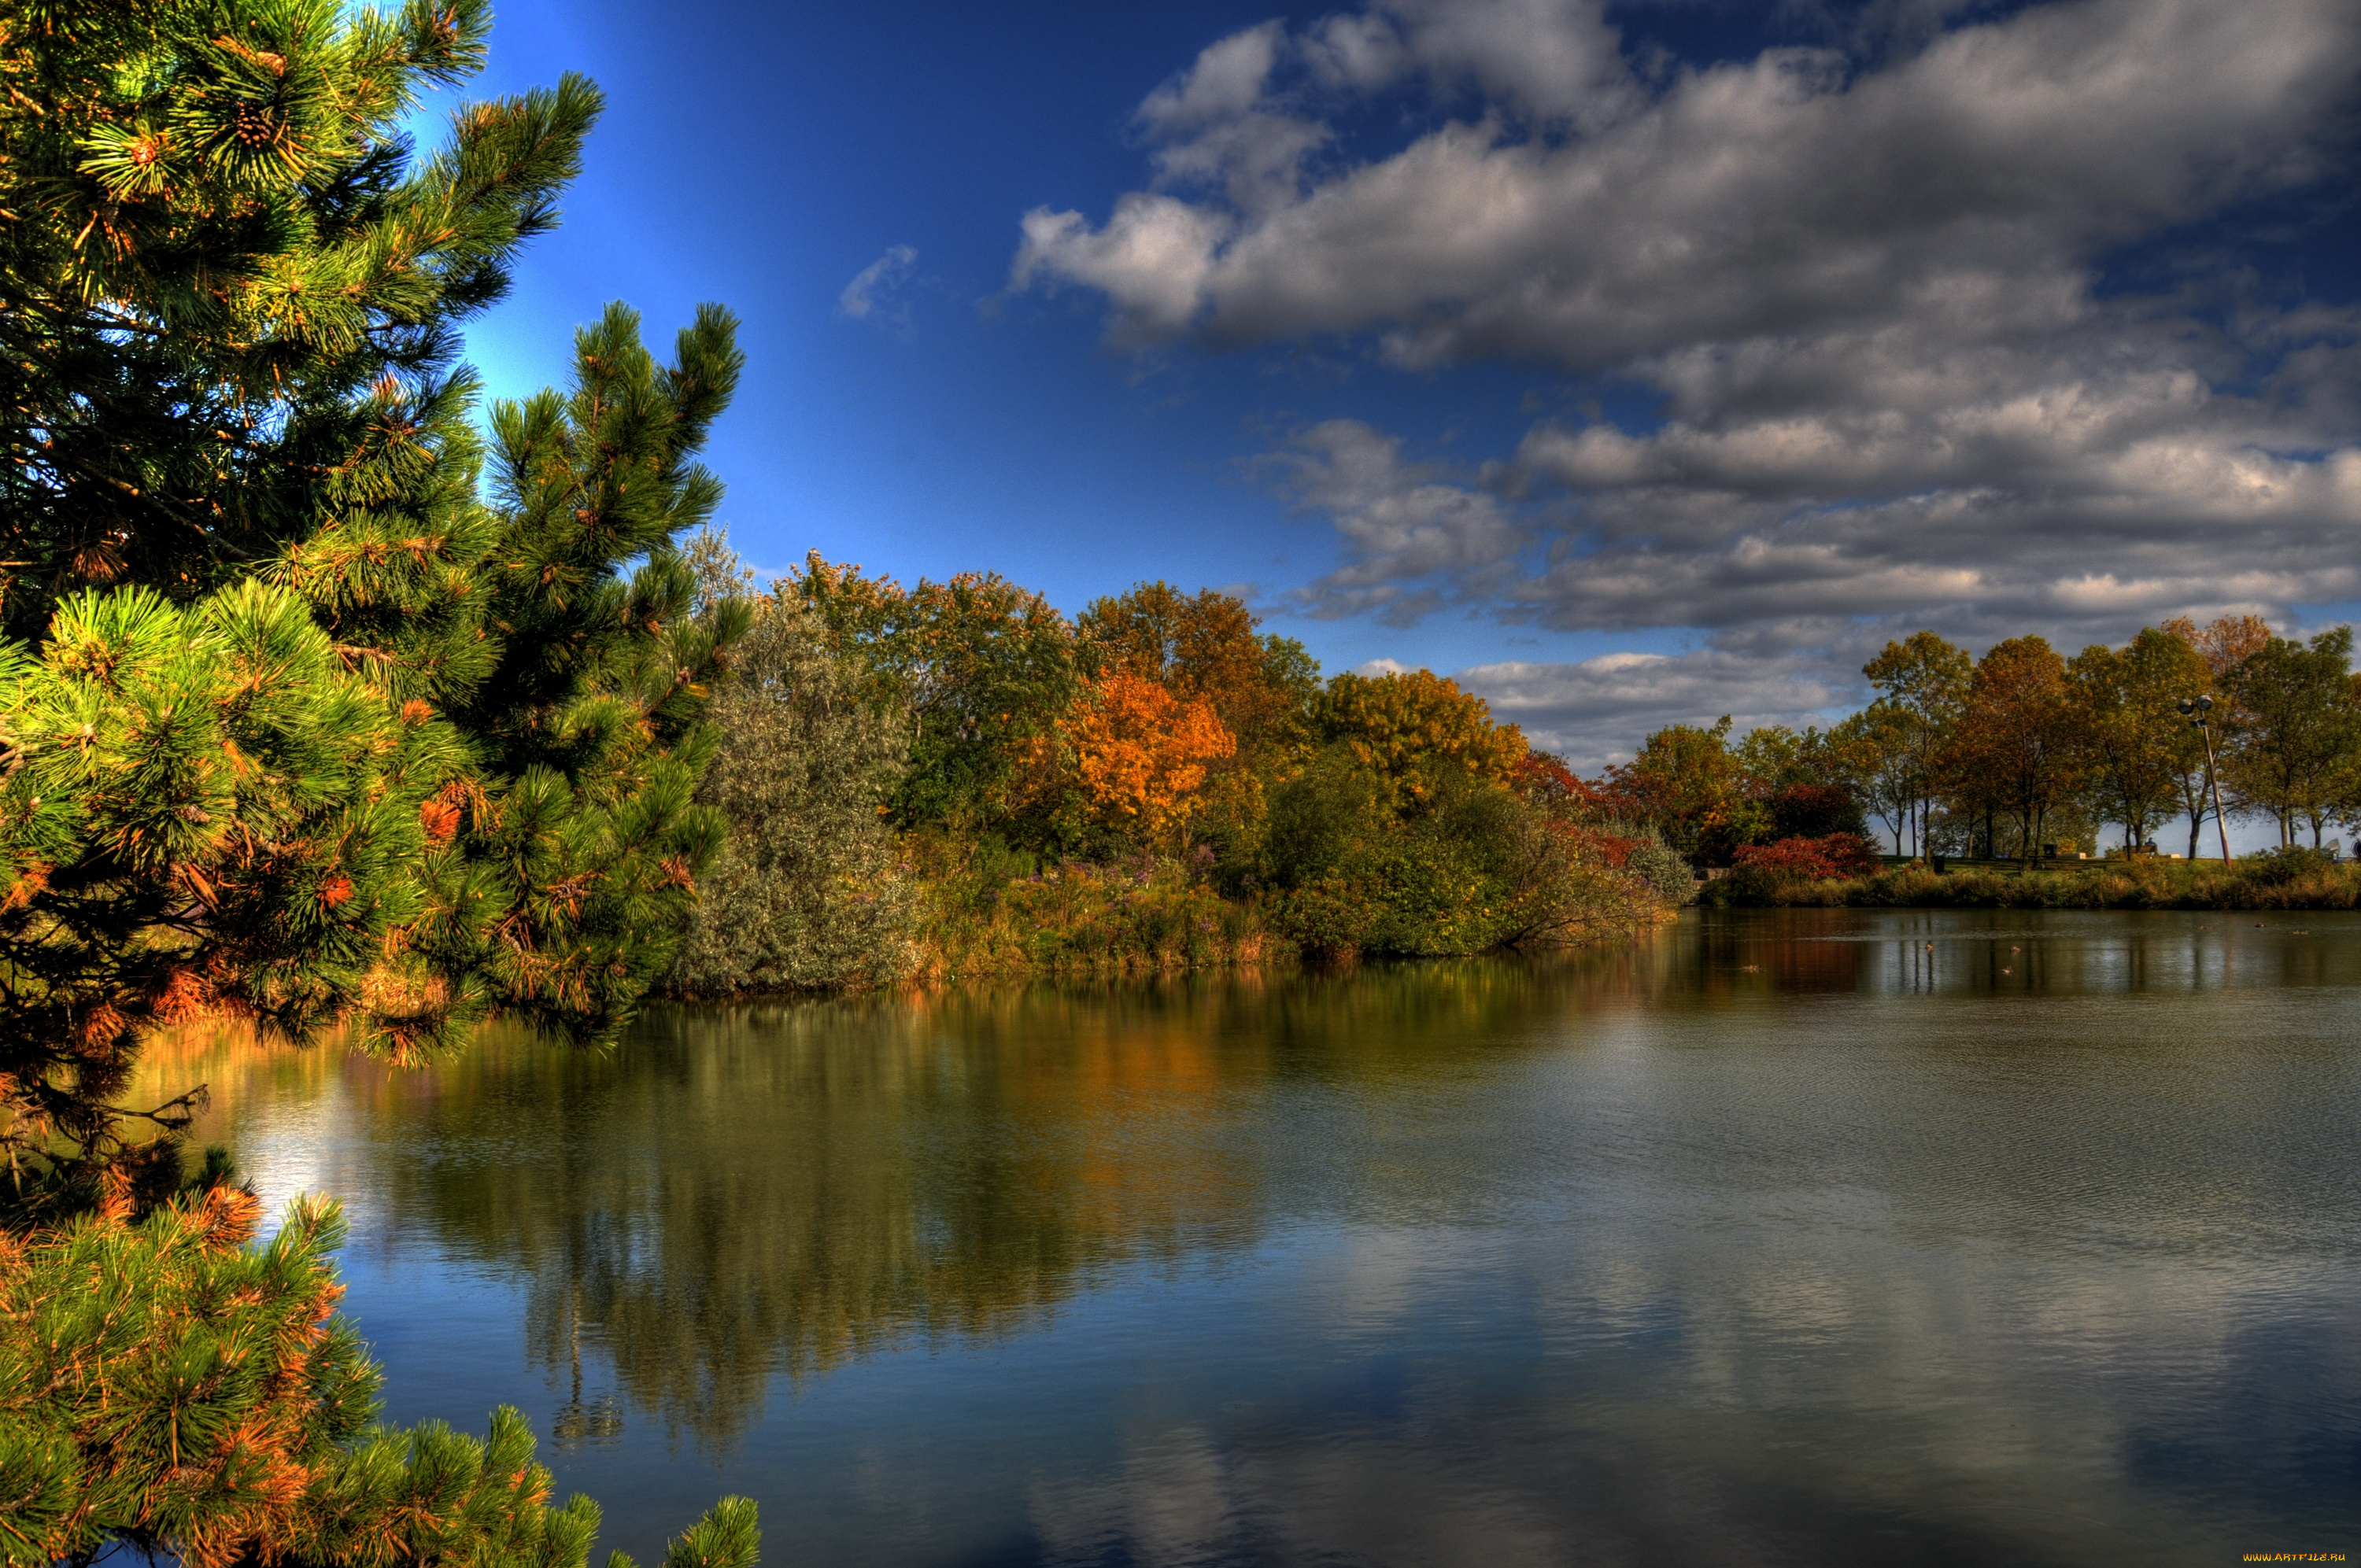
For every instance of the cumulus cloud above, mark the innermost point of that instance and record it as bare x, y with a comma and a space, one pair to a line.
1592, 712
875, 293
1782, 193
1411, 538
1873, 291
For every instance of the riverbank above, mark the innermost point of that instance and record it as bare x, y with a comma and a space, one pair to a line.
2293, 880
1092, 921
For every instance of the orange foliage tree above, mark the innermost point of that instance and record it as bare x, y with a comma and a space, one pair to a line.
1130, 756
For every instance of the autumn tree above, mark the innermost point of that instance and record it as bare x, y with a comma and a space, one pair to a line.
981, 668
2218, 648
1685, 783
2224, 643
2294, 729
1412, 725
1205, 645
1922, 682
2127, 702
2016, 747
1125, 764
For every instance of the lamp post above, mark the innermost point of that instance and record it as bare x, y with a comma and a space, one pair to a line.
2197, 709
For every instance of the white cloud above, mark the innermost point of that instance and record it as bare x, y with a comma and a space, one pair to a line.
1771, 195
1594, 712
873, 293
1867, 289
1411, 537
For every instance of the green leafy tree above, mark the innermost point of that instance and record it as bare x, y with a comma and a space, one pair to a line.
980, 667
809, 892
1923, 682
2128, 702
1877, 744
2295, 730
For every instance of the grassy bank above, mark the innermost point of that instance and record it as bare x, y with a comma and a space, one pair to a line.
1079, 921
2297, 881
1082, 921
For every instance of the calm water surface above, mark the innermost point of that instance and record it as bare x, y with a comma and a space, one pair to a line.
1789, 1237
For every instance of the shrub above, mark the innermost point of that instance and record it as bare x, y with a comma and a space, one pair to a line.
2285, 866
1834, 855
1667, 875
807, 893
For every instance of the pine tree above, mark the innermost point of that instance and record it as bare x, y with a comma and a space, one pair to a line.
232, 301
466, 783
298, 724
166, 1385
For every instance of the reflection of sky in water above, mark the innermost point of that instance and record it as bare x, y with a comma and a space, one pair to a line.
1775, 1240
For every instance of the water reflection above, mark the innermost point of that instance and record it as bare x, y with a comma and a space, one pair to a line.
1797, 1232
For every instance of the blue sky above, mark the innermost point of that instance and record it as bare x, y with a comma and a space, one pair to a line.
1639, 363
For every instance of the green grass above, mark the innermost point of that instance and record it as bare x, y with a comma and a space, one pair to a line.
2261, 883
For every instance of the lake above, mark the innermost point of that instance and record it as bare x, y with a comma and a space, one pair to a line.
1811, 1236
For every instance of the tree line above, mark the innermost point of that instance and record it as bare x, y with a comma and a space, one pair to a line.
2023, 748
898, 763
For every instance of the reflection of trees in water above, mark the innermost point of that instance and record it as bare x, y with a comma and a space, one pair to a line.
735, 1194
766, 1189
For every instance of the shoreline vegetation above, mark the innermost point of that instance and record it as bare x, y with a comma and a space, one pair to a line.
956, 782
2300, 880
2020, 763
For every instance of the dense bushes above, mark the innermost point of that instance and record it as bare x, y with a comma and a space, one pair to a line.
1154, 785
809, 892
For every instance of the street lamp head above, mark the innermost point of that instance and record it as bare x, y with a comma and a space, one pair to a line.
2205, 704
2187, 705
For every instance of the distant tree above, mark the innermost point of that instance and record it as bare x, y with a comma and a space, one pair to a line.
1889, 776
807, 891
1923, 682
1205, 645
1126, 762
2126, 701
2016, 746
1686, 783
981, 667
1413, 726
2217, 649
2295, 729
1804, 781
2224, 643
